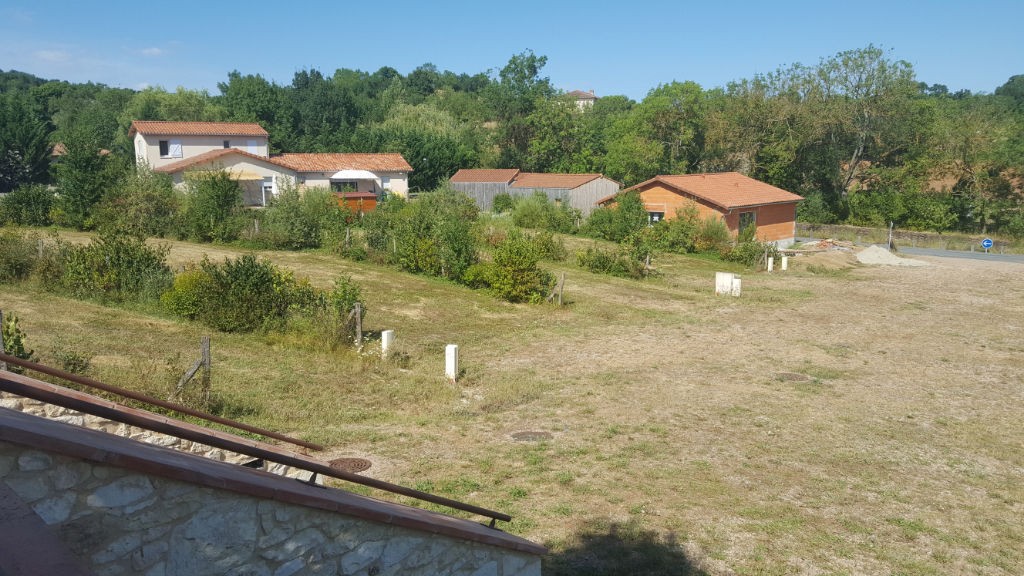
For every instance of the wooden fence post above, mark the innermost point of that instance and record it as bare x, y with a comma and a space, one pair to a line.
204, 352
3, 365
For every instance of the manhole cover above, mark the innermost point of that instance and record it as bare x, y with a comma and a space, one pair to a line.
350, 465
792, 377
531, 436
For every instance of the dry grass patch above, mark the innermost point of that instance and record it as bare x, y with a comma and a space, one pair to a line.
674, 444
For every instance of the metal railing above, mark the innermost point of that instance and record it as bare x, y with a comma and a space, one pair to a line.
75, 400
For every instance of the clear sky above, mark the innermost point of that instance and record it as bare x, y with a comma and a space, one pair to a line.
623, 47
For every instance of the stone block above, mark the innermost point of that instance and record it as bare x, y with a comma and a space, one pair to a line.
119, 548
34, 461
56, 509
121, 492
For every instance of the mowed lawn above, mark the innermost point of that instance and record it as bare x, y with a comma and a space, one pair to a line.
861, 420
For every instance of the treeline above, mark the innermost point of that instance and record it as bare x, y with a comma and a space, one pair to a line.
856, 134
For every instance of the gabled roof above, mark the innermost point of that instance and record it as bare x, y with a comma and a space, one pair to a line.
160, 128
728, 190
207, 157
581, 95
540, 180
333, 162
503, 175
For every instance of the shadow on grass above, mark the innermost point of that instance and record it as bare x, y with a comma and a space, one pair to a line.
612, 549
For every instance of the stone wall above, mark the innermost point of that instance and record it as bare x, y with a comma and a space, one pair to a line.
75, 418
122, 522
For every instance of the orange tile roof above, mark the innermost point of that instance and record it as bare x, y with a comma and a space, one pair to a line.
333, 162
726, 189
160, 128
540, 180
505, 175
207, 157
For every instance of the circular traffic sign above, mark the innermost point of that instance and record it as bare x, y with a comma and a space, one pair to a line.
986, 243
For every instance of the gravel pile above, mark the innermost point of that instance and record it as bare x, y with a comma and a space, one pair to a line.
882, 257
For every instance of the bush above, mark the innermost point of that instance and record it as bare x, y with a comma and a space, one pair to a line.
143, 204
17, 255
618, 262
536, 211
14, 341
247, 294
751, 252
627, 216
431, 235
548, 247
712, 236
117, 268
502, 203
514, 275
678, 234
27, 205
213, 208
295, 220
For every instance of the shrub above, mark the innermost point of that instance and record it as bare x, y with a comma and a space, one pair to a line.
619, 262
548, 247
712, 235
751, 252
14, 341
502, 203
247, 294
514, 275
213, 208
17, 255
431, 235
536, 211
27, 205
117, 268
679, 234
627, 216
295, 220
143, 204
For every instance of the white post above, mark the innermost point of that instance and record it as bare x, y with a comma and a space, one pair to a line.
735, 286
387, 338
771, 264
451, 361
785, 263
723, 282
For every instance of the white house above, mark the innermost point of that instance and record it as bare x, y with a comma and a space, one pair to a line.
241, 148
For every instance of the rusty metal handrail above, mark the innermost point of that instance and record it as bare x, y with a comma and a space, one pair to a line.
68, 398
85, 381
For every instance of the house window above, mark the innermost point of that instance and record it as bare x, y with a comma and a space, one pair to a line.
748, 220
344, 186
170, 148
655, 217
227, 143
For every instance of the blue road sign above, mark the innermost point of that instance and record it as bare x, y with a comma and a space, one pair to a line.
986, 243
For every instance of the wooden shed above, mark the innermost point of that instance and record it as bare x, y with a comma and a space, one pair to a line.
581, 191
739, 200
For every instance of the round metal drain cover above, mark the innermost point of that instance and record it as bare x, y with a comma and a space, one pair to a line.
531, 436
350, 465
792, 377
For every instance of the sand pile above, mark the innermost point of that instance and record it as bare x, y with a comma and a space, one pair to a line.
882, 257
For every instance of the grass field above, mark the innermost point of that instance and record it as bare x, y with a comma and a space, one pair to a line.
835, 419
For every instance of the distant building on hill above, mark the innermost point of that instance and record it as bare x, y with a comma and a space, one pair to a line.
583, 99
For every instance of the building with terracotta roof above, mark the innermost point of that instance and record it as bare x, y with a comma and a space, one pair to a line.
243, 149
581, 191
583, 99
739, 200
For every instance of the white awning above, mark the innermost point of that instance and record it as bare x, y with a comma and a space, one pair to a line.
354, 175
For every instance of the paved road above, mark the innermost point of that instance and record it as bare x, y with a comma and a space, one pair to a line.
977, 255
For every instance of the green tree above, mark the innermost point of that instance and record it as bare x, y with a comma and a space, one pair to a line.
84, 173
24, 148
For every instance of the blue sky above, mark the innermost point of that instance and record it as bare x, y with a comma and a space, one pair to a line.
624, 47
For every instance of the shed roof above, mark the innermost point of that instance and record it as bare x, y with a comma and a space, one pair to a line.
728, 190
503, 175
161, 128
540, 180
334, 162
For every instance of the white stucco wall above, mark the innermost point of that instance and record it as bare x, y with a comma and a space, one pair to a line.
147, 147
397, 182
